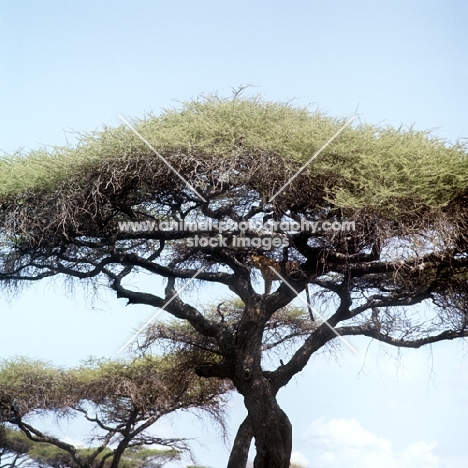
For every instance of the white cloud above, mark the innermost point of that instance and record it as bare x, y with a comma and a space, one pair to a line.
345, 443
299, 459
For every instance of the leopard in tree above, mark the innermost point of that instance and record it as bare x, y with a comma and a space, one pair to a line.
263, 263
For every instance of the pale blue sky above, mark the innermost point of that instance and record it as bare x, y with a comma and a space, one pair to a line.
76, 65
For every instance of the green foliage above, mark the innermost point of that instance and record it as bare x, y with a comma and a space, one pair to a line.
367, 166
12, 441
33, 381
44, 454
125, 398
146, 382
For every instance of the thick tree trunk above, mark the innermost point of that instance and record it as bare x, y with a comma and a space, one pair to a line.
266, 421
270, 427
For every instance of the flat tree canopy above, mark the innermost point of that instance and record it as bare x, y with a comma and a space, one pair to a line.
220, 188
17, 450
121, 400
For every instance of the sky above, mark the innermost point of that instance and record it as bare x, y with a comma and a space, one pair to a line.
70, 67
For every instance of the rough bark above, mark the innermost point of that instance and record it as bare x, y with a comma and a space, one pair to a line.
241, 446
268, 423
271, 428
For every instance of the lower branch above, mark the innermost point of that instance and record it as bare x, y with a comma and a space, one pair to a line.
37, 436
375, 333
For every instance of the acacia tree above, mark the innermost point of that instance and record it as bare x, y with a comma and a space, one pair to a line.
18, 451
121, 400
225, 167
